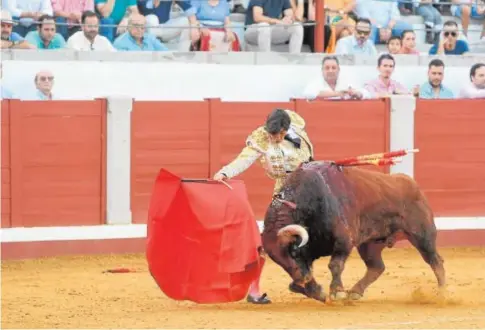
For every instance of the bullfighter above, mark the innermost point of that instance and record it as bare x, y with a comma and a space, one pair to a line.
281, 145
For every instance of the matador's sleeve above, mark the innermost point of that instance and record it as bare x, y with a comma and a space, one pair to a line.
242, 162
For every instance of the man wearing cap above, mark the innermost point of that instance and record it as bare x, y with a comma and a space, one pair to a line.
12, 39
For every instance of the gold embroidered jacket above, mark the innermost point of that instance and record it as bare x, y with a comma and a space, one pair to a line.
276, 159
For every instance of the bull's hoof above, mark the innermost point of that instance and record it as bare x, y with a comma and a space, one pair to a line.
297, 288
354, 296
320, 296
339, 295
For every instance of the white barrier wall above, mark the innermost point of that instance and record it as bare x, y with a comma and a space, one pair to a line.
274, 77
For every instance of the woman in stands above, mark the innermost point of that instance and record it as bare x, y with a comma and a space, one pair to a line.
215, 26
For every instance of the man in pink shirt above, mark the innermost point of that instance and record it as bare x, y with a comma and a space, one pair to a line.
476, 88
384, 86
70, 12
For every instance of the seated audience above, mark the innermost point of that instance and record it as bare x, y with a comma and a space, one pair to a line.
359, 42
331, 85
384, 86
338, 14
476, 88
272, 22
409, 43
431, 17
27, 12
114, 12
12, 39
68, 15
309, 30
449, 43
88, 38
213, 16
466, 9
160, 24
46, 36
434, 88
394, 45
385, 18
136, 38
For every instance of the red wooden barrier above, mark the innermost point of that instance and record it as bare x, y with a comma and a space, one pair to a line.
174, 135
346, 129
5, 165
54, 166
450, 166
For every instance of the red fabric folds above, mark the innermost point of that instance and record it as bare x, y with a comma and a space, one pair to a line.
202, 239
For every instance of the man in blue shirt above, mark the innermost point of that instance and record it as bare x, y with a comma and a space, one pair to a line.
46, 36
450, 45
11, 39
160, 24
434, 88
136, 38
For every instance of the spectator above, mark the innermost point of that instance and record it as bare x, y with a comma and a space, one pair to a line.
384, 86
409, 43
449, 43
215, 14
338, 15
385, 18
88, 38
475, 89
431, 17
464, 9
46, 37
272, 22
44, 81
68, 14
359, 42
434, 88
27, 12
394, 45
157, 13
11, 39
114, 12
136, 38
331, 85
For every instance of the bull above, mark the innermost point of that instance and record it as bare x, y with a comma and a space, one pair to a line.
324, 209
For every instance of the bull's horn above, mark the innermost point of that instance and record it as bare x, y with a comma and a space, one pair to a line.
295, 230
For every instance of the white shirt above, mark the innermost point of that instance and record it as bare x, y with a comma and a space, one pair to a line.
78, 41
470, 91
319, 85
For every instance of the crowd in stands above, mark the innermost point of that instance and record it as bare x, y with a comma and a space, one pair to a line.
332, 86
351, 26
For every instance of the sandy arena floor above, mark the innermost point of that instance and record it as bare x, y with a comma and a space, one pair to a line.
75, 293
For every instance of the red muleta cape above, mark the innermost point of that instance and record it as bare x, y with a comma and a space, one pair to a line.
202, 239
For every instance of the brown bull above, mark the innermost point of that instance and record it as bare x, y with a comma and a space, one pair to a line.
325, 210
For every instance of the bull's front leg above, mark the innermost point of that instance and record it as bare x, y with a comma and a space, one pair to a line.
336, 265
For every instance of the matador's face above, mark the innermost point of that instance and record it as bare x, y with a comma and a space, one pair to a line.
278, 137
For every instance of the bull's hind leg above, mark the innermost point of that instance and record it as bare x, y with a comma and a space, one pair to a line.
425, 243
371, 254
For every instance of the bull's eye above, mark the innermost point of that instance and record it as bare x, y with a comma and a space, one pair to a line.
293, 250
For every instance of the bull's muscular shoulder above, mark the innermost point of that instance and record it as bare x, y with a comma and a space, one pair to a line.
296, 119
259, 137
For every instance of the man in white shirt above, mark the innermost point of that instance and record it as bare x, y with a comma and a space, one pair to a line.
88, 38
331, 85
476, 89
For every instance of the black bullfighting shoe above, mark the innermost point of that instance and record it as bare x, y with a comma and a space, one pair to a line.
260, 301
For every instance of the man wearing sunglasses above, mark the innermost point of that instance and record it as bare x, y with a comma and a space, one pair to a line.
449, 43
359, 42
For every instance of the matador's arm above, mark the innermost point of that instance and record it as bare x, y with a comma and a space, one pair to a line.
242, 162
